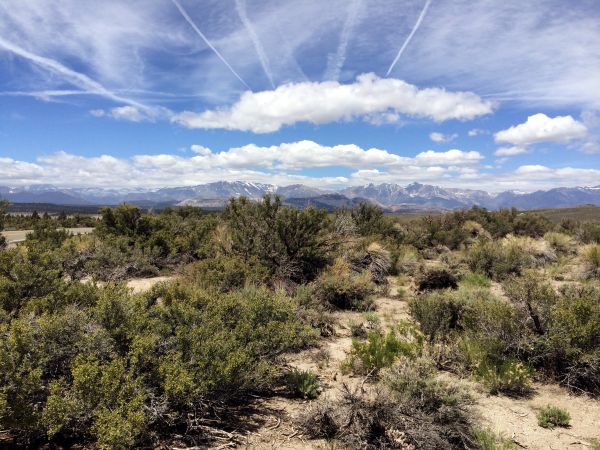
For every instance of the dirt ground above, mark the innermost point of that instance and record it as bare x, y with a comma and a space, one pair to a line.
143, 284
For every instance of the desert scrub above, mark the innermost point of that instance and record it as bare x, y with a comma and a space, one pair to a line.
510, 377
372, 258
591, 261
552, 416
380, 350
302, 383
474, 279
340, 287
497, 260
563, 244
407, 260
488, 440
396, 415
413, 380
539, 250
357, 329
436, 278
225, 273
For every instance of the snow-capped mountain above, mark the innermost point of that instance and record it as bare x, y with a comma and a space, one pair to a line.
392, 196
419, 194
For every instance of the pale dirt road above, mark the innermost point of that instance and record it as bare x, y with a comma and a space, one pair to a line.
14, 237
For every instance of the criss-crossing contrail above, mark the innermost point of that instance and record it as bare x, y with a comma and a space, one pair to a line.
88, 85
410, 36
240, 6
336, 64
189, 20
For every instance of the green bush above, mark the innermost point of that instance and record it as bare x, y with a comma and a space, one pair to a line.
339, 287
533, 299
487, 440
303, 383
114, 370
291, 243
552, 416
510, 377
380, 350
497, 261
473, 279
225, 273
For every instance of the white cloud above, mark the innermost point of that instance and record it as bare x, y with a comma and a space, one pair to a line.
441, 137
510, 151
541, 128
449, 169
285, 162
330, 101
201, 150
130, 113
452, 157
476, 132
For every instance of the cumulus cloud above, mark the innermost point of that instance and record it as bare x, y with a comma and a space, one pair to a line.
510, 151
452, 157
330, 101
285, 162
441, 137
541, 128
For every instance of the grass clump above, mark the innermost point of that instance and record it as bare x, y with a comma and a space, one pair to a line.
340, 287
474, 279
487, 440
303, 383
381, 350
510, 377
552, 416
591, 261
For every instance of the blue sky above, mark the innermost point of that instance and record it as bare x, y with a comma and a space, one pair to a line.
494, 95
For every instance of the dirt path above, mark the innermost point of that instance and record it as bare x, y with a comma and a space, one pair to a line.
14, 237
139, 285
513, 419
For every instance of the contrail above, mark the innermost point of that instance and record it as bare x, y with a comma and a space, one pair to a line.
76, 78
335, 65
412, 33
240, 6
206, 41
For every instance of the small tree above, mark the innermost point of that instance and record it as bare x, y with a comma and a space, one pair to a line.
291, 243
3, 207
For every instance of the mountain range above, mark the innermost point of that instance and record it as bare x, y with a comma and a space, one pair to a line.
393, 197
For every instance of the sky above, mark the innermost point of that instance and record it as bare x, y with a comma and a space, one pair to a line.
141, 94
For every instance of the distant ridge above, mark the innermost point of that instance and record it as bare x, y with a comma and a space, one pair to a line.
415, 196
